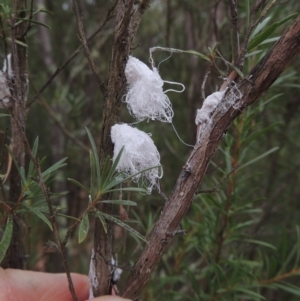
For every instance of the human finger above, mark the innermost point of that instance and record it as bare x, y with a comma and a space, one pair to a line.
21, 285
110, 298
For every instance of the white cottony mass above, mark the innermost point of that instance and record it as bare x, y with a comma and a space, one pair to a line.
209, 105
145, 97
139, 154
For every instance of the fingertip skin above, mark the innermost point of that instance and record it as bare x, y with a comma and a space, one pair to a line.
18, 285
110, 298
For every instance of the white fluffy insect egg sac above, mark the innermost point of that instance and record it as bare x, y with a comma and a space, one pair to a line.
139, 153
209, 105
145, 97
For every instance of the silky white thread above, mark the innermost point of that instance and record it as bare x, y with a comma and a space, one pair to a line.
179, 136
171, 50
139, 154
232, 96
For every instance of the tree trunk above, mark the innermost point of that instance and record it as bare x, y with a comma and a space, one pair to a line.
18, 81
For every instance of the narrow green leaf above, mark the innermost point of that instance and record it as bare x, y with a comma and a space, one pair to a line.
114, 182
270, 40
262, 36
242, 225
34, 152
259, 27
95, 153
105, 171
247, 13
16, 165
295, 290
7, 235
78, 184
257, 134
132, 189
43, 10
102, 220
4, 115
289, 259
32, 21
83, 228
41, 197
93, 179
68, 216
39, 214
54, 167
123, 225
292, 16
274, 149
215, 47
249, 293
238, 71
253, 53
22, 174
261, 243
120, 202
193, 52
296, 261
114, 167
18, 42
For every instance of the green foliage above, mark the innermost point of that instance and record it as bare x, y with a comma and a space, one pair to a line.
83, 228
261, 34
32, 199
6, 238
103, 182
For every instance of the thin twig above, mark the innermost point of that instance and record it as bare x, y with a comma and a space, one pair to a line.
3, 147
84, 42
11, 210
51, 211
223, 59
168, 22
259, 4
264, 12
52, 114
108, 17
217, 187
280, 277
163, 195
79, 219
203, 84
234, 19
4, 40
30, 18
253, 24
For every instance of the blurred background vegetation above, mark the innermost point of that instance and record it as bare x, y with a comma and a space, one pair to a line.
242, 241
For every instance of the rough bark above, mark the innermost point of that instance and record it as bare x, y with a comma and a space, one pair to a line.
127, 22
255, 85
18, 86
